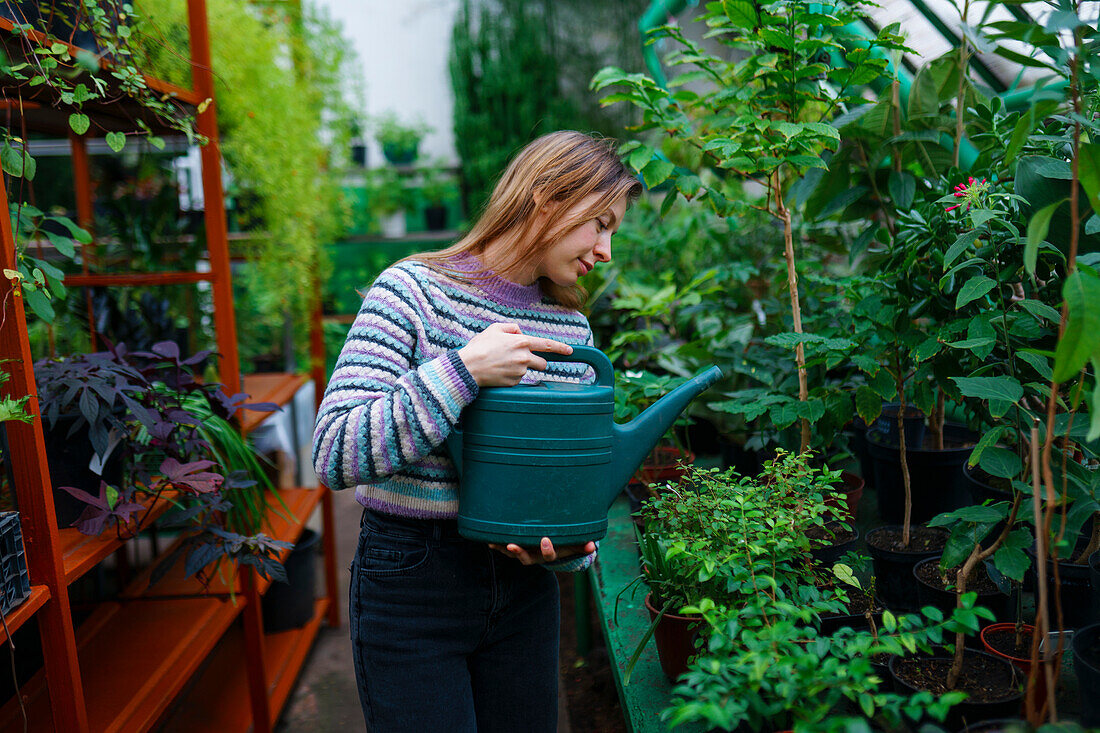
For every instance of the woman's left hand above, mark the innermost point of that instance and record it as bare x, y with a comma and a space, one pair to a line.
546, 552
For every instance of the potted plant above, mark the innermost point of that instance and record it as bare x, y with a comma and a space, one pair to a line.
437, 188
388, 197
147, 411
748, 118
399, 140
709, 535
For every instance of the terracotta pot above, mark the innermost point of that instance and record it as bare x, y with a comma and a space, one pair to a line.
847, 496
675, 636
1021, 663
664, 463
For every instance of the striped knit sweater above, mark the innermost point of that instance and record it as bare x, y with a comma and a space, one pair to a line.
399, 384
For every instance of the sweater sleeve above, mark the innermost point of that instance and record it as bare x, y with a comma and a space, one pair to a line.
574, 564
382, 411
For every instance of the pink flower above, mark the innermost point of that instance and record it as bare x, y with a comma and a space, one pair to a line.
971, 191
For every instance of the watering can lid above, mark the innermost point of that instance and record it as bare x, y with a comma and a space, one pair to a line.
547, 393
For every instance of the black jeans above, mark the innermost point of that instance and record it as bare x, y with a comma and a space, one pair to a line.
448, 635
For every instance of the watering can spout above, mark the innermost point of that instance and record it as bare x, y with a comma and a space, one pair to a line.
634, 440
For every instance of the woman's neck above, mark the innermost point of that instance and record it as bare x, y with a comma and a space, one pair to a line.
496, 257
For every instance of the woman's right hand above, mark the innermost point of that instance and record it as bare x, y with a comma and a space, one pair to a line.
500, 355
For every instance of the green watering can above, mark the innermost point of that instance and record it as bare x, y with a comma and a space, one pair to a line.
548, 460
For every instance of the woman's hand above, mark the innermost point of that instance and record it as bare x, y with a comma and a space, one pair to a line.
500, 355
545, 552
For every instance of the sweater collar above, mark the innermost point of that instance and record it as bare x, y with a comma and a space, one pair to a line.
499, 289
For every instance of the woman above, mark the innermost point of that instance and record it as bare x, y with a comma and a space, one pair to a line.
452, 635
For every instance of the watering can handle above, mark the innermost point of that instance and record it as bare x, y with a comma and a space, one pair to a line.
605, 373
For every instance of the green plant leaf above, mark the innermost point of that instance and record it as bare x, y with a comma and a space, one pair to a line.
1081, 340
79, 123
1040, 310
640, 157
689, 185
657, 172
974, 288
927, 349
972, 344
63, 245
1037, 228
1094, 408
742, 13
1088, 168
990, 388
961, 245
1001, 462
980, 216
39, 303
990, 438
1038, 362
868, 404
1011, 557
116, 141
902, 187
11, 160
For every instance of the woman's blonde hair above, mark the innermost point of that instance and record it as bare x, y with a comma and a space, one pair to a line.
561, 167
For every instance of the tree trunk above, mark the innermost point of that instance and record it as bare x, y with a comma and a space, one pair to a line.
796, 311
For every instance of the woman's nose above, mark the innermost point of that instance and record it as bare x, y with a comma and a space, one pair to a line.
602, 250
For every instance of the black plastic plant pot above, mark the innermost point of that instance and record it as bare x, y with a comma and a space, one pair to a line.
929, 595
69, 457
290, 605
935, 476
895, 585
858, 445
1075, 586
969, 712
828, 555
1001, 725
435, 218
1086, 662
886, 426
1094, 579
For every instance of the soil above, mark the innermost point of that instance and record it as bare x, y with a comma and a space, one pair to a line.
860, 603
985, 679
830, 535
979, 581
591, 697
921, 539
1004, 641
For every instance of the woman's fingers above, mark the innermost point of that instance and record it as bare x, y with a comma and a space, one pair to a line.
501, 354
546, 551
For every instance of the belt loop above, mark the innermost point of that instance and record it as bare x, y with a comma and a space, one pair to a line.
437, 530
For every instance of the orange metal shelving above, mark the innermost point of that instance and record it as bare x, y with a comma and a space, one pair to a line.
125, 667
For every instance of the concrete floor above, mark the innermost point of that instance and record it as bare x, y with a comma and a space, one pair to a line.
326, 700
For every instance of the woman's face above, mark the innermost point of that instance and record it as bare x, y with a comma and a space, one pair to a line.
575, 253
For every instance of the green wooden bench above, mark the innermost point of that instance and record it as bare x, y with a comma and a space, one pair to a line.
649, 690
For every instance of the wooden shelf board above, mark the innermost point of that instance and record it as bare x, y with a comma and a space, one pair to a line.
277, 387
135, 658
23, 612
82, 552
286, 653
219, 701
300, 505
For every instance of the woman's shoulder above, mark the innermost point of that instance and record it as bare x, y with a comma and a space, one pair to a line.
405, 275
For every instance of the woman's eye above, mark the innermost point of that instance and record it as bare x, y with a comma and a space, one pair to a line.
600, 226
